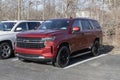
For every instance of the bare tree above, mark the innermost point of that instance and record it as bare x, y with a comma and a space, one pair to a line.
19, 9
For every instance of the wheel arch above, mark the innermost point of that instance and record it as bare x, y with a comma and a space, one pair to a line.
97, 39
8, 41
57, 54
59, 46
64, 44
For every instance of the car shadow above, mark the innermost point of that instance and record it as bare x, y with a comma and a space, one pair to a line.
105, 49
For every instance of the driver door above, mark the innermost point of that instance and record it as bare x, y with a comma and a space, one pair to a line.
79, 39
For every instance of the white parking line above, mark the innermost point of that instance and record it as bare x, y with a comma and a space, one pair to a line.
84, 61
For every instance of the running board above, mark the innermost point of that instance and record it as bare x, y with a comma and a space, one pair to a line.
80, 54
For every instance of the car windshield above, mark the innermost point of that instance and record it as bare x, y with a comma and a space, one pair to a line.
55, 25
6, 26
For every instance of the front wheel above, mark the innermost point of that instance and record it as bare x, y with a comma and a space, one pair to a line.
62, 59
95, 48
5, 50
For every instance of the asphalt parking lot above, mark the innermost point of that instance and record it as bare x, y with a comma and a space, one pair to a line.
103, 67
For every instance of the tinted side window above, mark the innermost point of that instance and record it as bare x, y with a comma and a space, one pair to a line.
96, 24
33, 25
85, 25
76, 23
23, 26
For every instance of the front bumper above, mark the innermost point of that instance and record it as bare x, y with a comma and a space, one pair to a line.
43, 54
32, 57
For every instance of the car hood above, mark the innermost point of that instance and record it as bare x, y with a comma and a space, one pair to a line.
42, 33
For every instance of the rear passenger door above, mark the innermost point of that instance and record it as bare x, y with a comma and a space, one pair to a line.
87, 32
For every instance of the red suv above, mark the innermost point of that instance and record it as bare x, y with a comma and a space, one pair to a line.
56, 40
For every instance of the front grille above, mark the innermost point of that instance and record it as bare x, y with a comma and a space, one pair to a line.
35, 43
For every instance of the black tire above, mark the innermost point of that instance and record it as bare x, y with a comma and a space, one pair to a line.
95, 48
62, 59
5, 50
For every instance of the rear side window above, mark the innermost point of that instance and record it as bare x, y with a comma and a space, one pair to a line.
85, 25
95, 24
33, 25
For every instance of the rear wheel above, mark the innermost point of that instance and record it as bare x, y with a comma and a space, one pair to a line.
62, 59
5, 50
95, 48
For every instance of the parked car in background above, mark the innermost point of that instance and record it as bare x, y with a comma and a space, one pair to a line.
58, 39
8, 31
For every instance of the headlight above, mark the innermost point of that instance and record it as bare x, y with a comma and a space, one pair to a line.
48, 39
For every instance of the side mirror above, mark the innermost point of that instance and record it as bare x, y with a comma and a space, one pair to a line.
76, 29
18, 29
